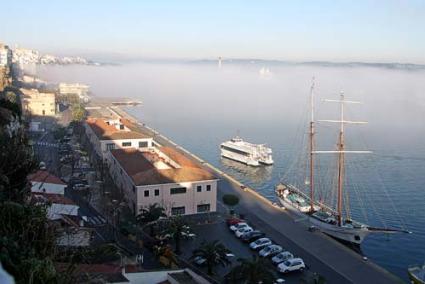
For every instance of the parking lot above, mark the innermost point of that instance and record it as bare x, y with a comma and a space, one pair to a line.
219, 230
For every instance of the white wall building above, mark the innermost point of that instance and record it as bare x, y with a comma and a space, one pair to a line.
165, 176
108, 134
44, 182
5, 55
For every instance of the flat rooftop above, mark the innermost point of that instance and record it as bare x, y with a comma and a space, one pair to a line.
165, 166
108, 129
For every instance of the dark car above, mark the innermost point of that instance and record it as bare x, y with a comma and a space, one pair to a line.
252, 236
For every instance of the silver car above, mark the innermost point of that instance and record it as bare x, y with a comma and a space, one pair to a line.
260, 243
270, 250
281, 257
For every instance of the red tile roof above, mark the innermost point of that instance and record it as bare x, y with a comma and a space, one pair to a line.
46, 177
143, 172
105, 131
54, 198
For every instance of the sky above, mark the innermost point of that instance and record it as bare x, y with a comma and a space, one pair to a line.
370, 31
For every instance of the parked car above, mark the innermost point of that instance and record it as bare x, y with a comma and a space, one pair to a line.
293, 264
270, 250
252, 236
234, 221
80, 186
199, 260
242, 231
42, 165
260, 243
281, 257
238, 226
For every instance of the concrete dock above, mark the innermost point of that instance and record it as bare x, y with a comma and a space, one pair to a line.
324, 255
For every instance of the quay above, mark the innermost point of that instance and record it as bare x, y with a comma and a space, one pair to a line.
331, 259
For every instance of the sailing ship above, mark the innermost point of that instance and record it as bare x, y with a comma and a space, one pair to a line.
244, 152
329, 220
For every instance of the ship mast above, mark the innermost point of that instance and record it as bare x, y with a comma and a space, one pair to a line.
312, 147
341, 151
341, 162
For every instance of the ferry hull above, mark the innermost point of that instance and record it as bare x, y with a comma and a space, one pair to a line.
350, 235
240, 159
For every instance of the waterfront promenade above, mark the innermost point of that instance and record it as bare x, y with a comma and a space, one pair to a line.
336, 262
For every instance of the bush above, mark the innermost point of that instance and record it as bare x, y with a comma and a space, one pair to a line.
230, 200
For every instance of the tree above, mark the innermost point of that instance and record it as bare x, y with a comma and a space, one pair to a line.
251, 271
214, 253
77, 112
176, 226
149, 215
230, 200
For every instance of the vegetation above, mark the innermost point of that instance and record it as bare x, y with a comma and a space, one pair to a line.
149, 215
27, 240
59, 133
78, 112
231, 201
214, 254
251, 271
175, 227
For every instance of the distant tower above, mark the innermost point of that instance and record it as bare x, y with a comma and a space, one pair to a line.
219, 62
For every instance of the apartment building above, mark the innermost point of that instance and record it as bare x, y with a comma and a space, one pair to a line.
165, 176
36, 103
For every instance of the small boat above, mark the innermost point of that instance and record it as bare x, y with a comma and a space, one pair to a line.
417, 274
244, 152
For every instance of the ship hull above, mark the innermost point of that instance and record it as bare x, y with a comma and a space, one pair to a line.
345, 234
239, 158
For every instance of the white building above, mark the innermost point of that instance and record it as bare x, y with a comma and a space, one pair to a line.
108, 134
5, 55
24, 56
44, 182
165, 176
36, 103
80, 90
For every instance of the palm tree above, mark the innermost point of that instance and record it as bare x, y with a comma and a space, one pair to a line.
149, 215
214, 254
176, 226
251, 271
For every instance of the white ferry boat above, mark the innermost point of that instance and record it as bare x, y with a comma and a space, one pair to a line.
251, 154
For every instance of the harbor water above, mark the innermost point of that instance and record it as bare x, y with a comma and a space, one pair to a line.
199, 105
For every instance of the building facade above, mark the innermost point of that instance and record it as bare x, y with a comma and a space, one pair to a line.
164, 176
39, 104
5, 56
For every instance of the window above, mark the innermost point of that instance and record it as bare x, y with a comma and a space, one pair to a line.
121, 127
199, 188
110, 146
203, 208
143, 144
156, 192
134, 189
126, 144
178, 211
208, 187
178, 190
146, 193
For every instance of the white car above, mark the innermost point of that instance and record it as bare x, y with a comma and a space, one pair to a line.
260, 243
238, 226
270, 250
242, 231
293, 264
281, 257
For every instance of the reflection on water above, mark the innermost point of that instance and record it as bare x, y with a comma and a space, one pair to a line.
255, 175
